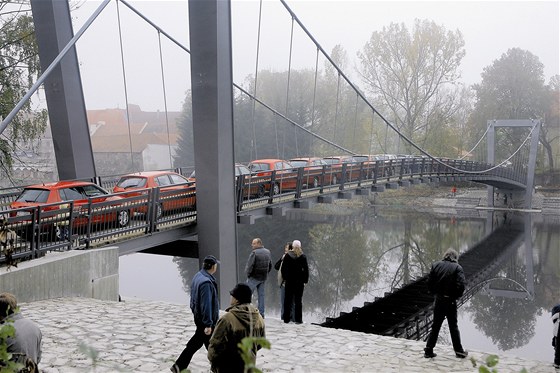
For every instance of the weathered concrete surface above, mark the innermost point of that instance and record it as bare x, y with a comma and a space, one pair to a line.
92, 273
147, 336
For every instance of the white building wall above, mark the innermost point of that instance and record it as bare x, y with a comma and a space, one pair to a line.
156, 157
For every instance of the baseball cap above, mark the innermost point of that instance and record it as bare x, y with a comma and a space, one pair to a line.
211, 259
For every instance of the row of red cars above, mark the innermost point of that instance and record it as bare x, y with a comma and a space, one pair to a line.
178, 192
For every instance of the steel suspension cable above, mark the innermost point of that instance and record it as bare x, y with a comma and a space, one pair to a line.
474, 147
371, 134
165, 100
355, 122
254, 142
381, 116
125, 86
52, 66
291, 121
289, 76
314, 96
336, 106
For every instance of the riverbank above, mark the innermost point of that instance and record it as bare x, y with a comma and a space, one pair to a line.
425, 197
146, 336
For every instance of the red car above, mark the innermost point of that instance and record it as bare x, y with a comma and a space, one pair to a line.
81, 193
313, 170
285, 178
176, 191
352, 167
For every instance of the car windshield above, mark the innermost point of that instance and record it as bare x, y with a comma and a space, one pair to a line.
259, 167
298, 163
33, 195
132, 182
93, 191
241, 170
178, 179
331, 160
360, 158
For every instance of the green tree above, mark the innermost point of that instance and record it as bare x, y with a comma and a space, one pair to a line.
550, 130
185, 144
19, 67
511, 88
414, 76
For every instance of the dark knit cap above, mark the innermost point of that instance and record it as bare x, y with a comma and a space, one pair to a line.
242, 292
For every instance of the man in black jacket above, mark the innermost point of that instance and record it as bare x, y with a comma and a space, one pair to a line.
447, 282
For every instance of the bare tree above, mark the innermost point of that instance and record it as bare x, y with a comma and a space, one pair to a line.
414, 75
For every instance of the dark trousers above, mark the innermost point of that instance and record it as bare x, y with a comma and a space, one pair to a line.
293, 295
557, 348
193, 345
445, 308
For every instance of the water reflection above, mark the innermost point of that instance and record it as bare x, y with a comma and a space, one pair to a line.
357, 254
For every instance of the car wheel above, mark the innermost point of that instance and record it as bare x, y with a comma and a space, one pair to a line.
159, 211
315, 182
275, 189
61, 232
261, 191
123, 218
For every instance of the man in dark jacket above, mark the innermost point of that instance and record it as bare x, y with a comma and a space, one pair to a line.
295, 271
205, 306
556, 334
241, 320
25, 344
258, 266
447, 282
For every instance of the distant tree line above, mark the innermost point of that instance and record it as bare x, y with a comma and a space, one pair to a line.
412, 78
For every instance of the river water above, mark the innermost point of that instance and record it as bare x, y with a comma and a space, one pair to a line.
358, 253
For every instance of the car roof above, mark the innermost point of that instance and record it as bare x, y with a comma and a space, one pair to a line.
268, 160
149, 173
307, 159
59, 185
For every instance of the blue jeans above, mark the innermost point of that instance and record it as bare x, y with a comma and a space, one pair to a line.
259, 285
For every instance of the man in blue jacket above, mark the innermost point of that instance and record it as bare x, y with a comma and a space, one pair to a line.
447, 282
205, 307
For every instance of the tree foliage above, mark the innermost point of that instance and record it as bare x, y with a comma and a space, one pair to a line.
414, 76
513, 87
550, 130
19, 67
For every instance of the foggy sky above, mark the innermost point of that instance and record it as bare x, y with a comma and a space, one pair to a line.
489, 29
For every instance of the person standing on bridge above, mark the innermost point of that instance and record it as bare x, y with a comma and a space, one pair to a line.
258, 266
447, 282
205, 306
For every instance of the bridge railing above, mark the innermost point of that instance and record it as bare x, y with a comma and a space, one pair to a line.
68, 225
33, 231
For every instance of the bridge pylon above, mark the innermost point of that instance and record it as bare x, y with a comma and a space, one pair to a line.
510, 196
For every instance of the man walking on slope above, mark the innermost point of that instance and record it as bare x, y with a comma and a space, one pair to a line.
205, 307
447, 282
258, 266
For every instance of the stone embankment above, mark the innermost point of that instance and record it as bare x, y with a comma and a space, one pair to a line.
88, 335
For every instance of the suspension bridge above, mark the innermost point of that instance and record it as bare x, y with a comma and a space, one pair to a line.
220, 201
